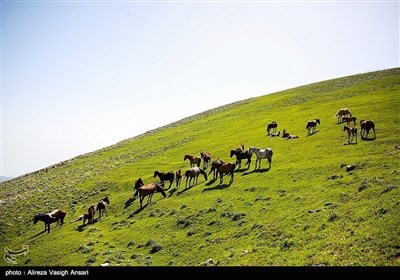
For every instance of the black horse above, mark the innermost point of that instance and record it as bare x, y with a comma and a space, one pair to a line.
49, 218
165, 177
241, 155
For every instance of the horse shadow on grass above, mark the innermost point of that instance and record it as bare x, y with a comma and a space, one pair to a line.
137, 211
311, 134
368, 139
82, 227
260, 170
171, 192
129, 202
349, 144
217, 187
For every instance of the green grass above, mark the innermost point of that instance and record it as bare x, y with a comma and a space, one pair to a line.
305, 210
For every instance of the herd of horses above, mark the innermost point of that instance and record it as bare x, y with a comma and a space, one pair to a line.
218, 168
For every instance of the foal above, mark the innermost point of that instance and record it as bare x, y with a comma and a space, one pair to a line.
352, 132
101, 206
143, 190
193, 160
206, 159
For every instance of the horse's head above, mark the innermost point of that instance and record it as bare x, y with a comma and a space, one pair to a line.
106, 199
138, 183
155, 174
318, 121
233, 152
35, 218
186, 157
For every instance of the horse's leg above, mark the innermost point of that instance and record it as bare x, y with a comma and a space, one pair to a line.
221, 176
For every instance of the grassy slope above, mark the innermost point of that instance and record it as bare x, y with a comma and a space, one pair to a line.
289, 215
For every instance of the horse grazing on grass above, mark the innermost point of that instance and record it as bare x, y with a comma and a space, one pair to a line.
193, 174
226, 168
193, 160
49, 218
165, 177
101, 206
214, 167
262, 154
348, 120
311, 125
143, 190
366, 126
241, 155
206, 157
178, 177
89, 216
271, 126
342, 113
352, 132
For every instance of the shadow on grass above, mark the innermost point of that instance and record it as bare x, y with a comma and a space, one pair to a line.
349, 144
368, 139
137, 211
260, 170
171, 192
217, 187
311, 134
129, 202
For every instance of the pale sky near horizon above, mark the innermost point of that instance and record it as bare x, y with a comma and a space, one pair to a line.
80, 76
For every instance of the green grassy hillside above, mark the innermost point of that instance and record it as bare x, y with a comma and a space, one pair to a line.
305, 210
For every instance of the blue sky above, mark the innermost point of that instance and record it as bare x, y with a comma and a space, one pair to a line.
80, 76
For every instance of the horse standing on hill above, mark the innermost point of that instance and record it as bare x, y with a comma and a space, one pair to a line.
262, 154
193, 174
49, 218
348, 120
165, 177
226, 168
214, 167
366, 126
143, 190
311, 125
101, 206
272, 126
206, 157
193, 160
352, 132
178, 177
342, 113
241, 155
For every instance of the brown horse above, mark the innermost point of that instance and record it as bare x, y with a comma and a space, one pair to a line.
214, 167
193, 160
165, 177
226, 168
89, 216
352, 132
49, 218
193, 174
366, 126
348, 120
178, 177
143, 190
206, 157
311, 125
342, 113
271, 126
101, 206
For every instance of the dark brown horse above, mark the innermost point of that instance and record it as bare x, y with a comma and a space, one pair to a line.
241, 155
178, 177
193, 160
206, 157
143, 190
101, 206
352, 132
193, 174
348, 120
311, 125
214, 167
165, 177
49, 218
226, 168
271, 126
366, 126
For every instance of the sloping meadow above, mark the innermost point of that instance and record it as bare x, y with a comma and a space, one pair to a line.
305, 210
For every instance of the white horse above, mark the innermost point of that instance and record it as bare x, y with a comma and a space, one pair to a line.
261, 154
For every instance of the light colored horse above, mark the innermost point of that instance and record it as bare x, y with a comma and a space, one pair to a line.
352, 132
261, 154
193, 174
342, 113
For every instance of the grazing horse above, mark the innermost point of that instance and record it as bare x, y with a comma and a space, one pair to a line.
241, 155
206, 157
178, 177
366, 126
89, 216
262, 154
352, 132
193, 160
165, 177
101, 206
226, 168
342, 113
311, 125
143, 190
193, 174
348, 120
214, 167
271, 126
49, 218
